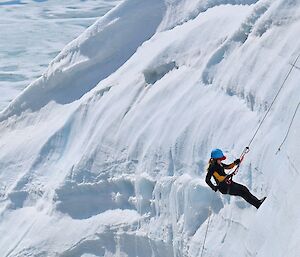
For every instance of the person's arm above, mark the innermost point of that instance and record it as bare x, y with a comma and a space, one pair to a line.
230, 166
208, 180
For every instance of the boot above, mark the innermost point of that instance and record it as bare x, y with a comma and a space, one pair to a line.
261, 201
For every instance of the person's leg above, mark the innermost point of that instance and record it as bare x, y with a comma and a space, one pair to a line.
240, 190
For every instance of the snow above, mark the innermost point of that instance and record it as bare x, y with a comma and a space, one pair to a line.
34, 32
105, 154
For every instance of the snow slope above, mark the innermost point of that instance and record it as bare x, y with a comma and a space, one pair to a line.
34, 32
105, 154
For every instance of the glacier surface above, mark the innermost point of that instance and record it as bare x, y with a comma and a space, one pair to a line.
105, 154
33, 32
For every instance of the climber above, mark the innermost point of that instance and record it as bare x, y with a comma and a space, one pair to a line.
225, 184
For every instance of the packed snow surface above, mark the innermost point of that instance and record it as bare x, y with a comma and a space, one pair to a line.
33, 32
105, 154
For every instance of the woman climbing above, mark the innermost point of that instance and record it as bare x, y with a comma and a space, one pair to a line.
224, 184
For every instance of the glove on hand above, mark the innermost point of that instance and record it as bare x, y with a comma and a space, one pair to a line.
237, 161
215, 189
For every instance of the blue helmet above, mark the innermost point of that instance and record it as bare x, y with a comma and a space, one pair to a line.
217, 154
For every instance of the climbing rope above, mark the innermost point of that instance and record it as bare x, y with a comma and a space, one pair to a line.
288, 131
228, 178
292, 164
281, 87
208, 223
247, 149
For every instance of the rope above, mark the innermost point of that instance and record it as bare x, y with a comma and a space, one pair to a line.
228, 178
208, 223
282, 85
288, 131
247, 149
292, 164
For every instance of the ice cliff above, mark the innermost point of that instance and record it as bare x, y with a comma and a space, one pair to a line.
105, 154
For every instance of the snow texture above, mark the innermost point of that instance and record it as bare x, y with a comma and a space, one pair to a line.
33, 32
105, 154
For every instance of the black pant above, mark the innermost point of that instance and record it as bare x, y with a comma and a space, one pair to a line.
239, 190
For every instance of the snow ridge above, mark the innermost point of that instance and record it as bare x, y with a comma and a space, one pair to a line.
89, 62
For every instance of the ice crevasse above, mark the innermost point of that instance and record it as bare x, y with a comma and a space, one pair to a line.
105, 154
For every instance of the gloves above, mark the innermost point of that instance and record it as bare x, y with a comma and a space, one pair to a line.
215, 189
237, 161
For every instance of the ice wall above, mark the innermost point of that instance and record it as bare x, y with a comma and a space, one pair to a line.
105, 155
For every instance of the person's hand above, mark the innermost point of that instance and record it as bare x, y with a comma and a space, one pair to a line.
215, 189
237, 161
